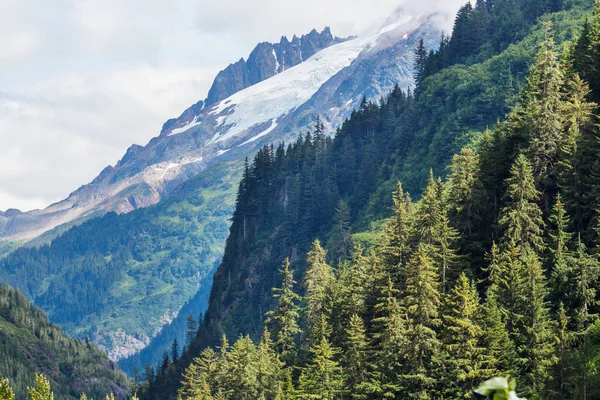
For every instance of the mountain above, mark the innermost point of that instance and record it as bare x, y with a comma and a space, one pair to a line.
267, 60
30, 344
152, 260
236, 126
290, 195
119, 279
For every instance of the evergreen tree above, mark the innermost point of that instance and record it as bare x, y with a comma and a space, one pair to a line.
318, 281
322, 378
6, 393
399, 234
354, 357
576, 148
422, 304
586, 270
175, 350
559, 238
465, 196
522, 217
242, 380
543, 97
536, 341
284, 318
390, 344
41, 390
148, 372
340, 240
580, 59
420, 63
440, 238
200, 377
564, 385
429, 212
508, 290
496, 269
270, 373
446, 252
463, 340
191, 330
501, 348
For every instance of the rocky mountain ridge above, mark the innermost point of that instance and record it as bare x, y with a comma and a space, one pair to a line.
274, 109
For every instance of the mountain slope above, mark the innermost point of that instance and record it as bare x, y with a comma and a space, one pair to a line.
287, 201
29, 343
120, 278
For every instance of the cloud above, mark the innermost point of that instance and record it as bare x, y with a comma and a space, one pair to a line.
81, 80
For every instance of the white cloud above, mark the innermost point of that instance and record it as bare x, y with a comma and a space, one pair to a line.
81, 80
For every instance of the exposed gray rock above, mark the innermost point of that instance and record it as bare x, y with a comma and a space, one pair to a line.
267, 60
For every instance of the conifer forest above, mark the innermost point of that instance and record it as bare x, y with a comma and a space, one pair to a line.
442, 238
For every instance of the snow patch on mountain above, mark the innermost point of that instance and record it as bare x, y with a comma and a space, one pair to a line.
263, 133
184, 128
285, 92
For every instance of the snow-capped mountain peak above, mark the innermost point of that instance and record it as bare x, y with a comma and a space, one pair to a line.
287, 96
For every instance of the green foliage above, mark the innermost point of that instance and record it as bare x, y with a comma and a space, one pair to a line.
42, 391
30, 344
469, 360
284, 318
322, 378
417, 307
6, 393
121, 271
318, 283
522, 217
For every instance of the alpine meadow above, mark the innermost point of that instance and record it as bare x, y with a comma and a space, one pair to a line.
437, 238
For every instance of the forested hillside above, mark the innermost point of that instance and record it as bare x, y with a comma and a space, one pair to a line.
119, 278
30, 344
489, 248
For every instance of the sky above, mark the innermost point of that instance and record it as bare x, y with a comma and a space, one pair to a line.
82, 80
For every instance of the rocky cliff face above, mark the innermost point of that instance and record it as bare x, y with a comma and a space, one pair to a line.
267, 60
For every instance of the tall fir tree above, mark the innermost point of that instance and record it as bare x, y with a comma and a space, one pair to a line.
41, 389
6, 393
422, 304
399, 234
501, 348
542, 95
536, 343
576, 148
559, 250
270, 369
340, 239
284, 318
586, 271
420, 63
389, 344
323, 378
319, 280
521, 219
354, 358
468, 363
465, 198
